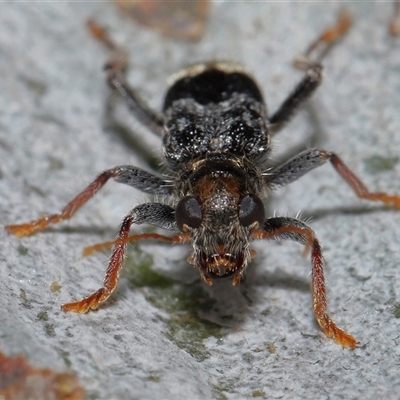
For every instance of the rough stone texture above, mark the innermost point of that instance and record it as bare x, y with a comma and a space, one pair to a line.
164, 335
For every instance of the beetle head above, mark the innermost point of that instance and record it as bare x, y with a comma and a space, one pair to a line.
220, 214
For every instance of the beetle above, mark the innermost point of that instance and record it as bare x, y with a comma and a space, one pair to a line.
216, 135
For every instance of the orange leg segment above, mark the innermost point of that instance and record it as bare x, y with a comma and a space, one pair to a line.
318, 288
394, 25
334, 33
359, 188
112, 275
100, 34
69, 210
115, 265
183, 238
119, 57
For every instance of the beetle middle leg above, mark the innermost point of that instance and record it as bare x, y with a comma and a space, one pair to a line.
136, 177
282, 228
313, 158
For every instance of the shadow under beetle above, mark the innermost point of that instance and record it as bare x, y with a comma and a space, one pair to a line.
216, 136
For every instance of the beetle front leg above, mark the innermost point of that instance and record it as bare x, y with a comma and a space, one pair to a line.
156, 214
282, 228
112, 275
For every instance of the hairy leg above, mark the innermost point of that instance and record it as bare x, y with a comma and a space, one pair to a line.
291, 229
153, 214
313, 158
114, 67
311, 63
132, 176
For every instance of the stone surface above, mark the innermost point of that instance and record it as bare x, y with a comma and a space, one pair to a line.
164, 334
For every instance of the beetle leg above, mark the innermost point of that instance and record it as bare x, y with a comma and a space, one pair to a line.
181, 238
330, 36
394, 24
313, 158
282, 228
299, 96
114, 66
313, 78
157, 214
129, 175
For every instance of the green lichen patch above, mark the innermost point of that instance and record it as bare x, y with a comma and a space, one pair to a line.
22, 250
92, 395
153, 378
49, 329
396, 310
376, 164
221, 389
65, 355
37, 87
138, 268
271, 348
55, 164
25, 301
42, 316
184, 302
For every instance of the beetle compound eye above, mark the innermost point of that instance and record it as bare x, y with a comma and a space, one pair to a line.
251, 210
188, 212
